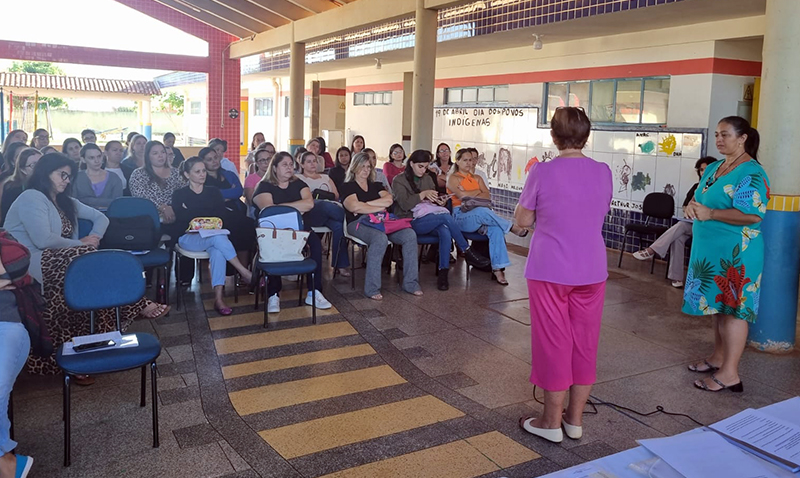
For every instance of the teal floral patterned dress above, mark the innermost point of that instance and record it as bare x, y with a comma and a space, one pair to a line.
726, 262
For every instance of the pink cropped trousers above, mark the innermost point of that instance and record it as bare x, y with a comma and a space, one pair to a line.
565, 331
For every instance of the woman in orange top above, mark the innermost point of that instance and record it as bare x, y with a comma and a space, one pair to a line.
462, 184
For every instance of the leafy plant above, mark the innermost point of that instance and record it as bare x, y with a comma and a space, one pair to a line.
40, 67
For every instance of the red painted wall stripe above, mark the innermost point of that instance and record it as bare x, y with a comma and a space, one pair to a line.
332, 91
680, 67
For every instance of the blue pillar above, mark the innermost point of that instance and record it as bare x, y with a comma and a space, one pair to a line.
775, 328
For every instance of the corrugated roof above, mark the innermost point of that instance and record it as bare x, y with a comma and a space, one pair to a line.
75, 83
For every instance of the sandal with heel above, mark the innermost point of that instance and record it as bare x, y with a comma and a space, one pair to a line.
735, 388
709, 368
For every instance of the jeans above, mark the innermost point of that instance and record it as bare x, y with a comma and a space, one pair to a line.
331, 215
14, 347
444, 226
274, 283
377, 242
675, 240
219, 249
496, 229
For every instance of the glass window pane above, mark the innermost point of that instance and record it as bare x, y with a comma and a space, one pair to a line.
387, 98
629, 101
470, 95
369, 98
500, 93
579, 94
656, 101
556, 96
602, 101
358, 99
454, 95
486, 95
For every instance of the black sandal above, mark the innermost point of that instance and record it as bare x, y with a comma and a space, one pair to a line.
709, 368
735, 388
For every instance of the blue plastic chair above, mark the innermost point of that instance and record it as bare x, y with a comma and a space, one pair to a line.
306, 266
157, 258
120, 277
84, 227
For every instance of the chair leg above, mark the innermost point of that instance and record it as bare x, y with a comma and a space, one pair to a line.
622, 250
257, 274
67, 444
144, 385
653, 264
154, 386
178, 288
168, 274
353, 265
300, 289
198, 264
236, 288
266, 315
313, 303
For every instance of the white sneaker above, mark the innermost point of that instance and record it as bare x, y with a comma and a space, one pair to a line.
322, 302
677, 284
274, 304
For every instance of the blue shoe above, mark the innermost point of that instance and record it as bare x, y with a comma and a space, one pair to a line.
24, 464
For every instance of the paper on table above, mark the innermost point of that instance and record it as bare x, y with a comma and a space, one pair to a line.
768, 436
704, 454
213, 232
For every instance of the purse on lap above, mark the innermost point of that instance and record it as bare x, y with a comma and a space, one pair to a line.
280, 245
469, 203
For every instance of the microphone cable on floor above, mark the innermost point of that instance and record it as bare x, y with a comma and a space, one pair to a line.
593, 410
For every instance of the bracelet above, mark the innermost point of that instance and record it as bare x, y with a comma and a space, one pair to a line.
711, 215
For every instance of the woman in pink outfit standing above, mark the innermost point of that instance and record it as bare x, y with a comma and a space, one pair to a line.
567, 199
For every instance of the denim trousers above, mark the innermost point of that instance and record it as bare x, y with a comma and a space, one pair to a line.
331, 215
275, 284
14, 347
377, 242
220, 251
444, 226
496, 229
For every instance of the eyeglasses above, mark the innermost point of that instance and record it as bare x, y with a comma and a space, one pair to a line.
30, 166
42, 136
65, 176
444, 150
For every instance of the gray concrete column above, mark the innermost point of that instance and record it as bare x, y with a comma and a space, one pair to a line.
424, 78
297, 88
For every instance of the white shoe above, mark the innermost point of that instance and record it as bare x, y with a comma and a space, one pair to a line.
643, 255
677, 284
571, 430
555, 435
274, 304
322, 302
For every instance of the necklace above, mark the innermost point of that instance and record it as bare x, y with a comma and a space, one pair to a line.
713, 178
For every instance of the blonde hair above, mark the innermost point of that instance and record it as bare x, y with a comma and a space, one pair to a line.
356, 162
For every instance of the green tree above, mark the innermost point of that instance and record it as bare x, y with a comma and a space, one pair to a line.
40, 67
170, 103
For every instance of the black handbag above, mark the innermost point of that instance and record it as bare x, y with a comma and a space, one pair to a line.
318, 194
136, 233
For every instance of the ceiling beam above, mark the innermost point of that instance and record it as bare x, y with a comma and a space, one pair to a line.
232, 16
314, 6
208, 19
283, 8
254, 11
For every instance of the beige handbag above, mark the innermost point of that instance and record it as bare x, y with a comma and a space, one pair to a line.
280, 245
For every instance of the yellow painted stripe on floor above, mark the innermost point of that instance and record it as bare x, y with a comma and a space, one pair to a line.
257, 318
458, 459
271, 397
338, 430
501, 449
275, 338
281, 363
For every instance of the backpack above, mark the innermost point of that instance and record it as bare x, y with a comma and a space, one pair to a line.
135, 233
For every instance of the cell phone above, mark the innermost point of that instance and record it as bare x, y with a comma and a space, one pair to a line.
94, 345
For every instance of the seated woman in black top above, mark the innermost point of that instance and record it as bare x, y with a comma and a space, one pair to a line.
361, 194
341, 163
281, 187
198, 200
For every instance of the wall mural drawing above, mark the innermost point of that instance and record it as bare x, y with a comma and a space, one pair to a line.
513, 140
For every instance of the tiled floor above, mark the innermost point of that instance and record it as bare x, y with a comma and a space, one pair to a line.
426, 386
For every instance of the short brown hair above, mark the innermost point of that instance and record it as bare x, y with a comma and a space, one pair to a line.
570, 128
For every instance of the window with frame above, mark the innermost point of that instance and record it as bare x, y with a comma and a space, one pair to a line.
195, 107
631, 101
372, 98
475, 95
306, 106
263, 107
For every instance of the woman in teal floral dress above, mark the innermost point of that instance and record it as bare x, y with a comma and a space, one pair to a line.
727, 258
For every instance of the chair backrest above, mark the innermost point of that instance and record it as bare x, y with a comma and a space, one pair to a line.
659, 205
103, 280
132, 207
276, 210
85, 226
